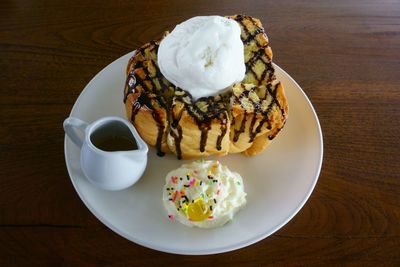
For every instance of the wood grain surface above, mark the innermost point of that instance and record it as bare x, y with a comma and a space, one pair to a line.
346, 56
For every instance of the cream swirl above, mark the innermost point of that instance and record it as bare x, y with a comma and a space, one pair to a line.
205, 194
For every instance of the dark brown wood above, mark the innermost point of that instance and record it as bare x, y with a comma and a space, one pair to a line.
346, 56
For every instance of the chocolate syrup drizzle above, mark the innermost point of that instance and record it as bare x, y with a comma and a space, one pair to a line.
266, 78
165, 96
149, 95
215, 109
270, 90
260, 54
223, 130
177, 137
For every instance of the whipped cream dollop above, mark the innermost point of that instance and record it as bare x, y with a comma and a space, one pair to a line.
203, 55
205, 194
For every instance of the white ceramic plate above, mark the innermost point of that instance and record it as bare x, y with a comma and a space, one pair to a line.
278, 181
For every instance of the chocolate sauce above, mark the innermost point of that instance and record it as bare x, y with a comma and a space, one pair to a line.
147, 89
258, 55
143, 65
146, 100
241, 129
177, 139
223, 130
135, 109
252, 134
270, 90
215, 110
204, 127
275, 100
175, 127
273, 135
251, 36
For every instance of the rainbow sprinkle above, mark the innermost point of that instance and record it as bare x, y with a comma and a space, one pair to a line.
174, 179
174, 195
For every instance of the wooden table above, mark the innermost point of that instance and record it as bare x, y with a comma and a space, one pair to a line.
346, 56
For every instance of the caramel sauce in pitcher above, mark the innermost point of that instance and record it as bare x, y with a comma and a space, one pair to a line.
113, 137
116, 143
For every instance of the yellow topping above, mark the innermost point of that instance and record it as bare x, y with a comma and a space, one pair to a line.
184, 207
198, 211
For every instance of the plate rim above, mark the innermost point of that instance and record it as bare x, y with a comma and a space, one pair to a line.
205, 251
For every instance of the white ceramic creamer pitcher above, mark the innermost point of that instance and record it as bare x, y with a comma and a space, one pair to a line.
113, 156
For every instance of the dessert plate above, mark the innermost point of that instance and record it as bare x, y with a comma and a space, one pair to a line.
278, 181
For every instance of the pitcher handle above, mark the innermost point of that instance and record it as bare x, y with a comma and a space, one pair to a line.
70, 124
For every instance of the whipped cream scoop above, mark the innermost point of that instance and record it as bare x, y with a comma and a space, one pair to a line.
203, 55
205, 194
